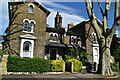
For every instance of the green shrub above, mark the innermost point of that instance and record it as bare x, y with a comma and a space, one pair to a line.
77, 65
114, 66
69, 57
57, 65
17, 64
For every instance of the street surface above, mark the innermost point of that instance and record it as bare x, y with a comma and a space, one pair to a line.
59, 77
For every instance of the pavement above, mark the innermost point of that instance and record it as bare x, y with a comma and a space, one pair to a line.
75, 76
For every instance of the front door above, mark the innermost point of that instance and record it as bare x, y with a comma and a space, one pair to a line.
53, 53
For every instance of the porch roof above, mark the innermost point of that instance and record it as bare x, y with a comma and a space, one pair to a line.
55, 44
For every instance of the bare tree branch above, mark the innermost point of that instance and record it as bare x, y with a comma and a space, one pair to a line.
117, 18
93, 18
101, 10
116, 13
105, 15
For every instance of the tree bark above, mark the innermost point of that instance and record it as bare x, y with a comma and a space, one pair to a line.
105, 57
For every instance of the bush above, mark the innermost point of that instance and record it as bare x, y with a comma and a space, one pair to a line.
57, 65
77, 65
69, 57
114, 66
17, 64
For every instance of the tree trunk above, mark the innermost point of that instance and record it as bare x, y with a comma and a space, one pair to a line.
106, 68
106, 58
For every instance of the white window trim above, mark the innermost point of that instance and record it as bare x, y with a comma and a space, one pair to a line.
96, 46
29, 25
32, 47
29, 6
74, 37
53, 35
33, 26
26, 20
32, 21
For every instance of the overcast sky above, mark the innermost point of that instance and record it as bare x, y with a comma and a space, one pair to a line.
71, 11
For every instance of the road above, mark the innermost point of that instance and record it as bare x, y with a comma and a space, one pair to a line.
59, 77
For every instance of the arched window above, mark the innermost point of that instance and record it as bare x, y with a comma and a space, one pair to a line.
26, 24
30, 9
31, 26
75, 39
55, 37
51, 36
27, 46
72, 39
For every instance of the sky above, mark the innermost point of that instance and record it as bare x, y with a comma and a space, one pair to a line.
71, 11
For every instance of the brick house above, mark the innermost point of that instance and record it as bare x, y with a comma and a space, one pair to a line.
31, 37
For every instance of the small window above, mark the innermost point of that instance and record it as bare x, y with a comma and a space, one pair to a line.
26, 24
31, 26
55, 37
30, 9
72, 40
51, 36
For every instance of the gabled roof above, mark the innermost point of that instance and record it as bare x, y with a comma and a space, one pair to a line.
38, 4
80, 28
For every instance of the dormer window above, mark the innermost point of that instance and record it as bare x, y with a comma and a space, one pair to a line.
30, 8
53, 37
74, 40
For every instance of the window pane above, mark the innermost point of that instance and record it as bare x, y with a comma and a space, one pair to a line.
26, 46
26, 26
72, 40
30, 10
55, 37
51, 36
31, 26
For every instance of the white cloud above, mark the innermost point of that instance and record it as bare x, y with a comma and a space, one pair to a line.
67, 18
68, 13
60, 7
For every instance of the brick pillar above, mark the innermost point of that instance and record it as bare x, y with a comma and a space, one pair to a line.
4, 64
72, 70
64, 67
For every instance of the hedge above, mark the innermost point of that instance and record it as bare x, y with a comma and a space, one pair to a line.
17, 64
57, 65
77, 65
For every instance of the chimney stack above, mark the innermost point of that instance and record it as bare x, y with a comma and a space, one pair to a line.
70, 25
58, 20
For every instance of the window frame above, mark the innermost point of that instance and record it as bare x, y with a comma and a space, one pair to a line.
30, 10
23, 40
29, 21
54, 37
25, 24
